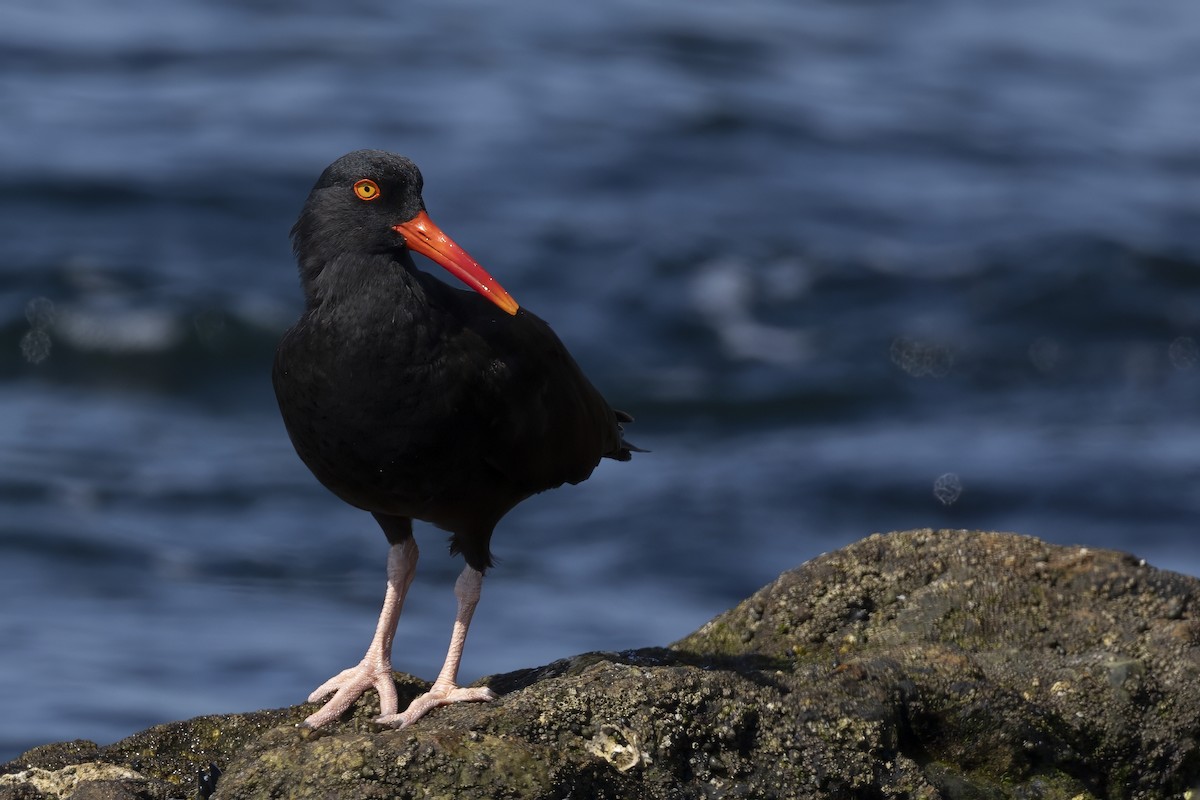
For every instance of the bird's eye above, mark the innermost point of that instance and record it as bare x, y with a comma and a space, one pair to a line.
366, 189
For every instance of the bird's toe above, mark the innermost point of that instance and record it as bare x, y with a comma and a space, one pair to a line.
349, 685
435, 697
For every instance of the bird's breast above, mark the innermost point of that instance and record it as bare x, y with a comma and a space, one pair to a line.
384, 419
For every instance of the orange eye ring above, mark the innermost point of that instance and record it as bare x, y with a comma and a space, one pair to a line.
366, 189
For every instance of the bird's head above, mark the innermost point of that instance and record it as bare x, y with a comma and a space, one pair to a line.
369, 202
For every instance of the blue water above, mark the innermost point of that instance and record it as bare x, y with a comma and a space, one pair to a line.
854, 267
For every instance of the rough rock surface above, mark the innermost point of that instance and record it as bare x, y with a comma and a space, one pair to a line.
924, 664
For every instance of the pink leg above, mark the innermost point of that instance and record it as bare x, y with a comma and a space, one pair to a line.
445, 689
376, 667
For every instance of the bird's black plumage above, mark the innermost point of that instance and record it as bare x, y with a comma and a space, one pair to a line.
414, 399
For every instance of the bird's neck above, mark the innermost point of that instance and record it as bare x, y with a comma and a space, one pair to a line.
366, 285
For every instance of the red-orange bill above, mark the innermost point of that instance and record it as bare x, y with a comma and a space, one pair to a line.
426, 238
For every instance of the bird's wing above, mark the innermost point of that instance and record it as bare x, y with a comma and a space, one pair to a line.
548, 424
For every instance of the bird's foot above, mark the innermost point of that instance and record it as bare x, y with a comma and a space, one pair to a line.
349, 685
437, 696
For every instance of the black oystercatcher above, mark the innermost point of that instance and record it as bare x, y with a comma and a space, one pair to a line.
412, 399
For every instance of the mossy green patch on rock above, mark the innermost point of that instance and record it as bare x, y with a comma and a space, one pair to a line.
925, 664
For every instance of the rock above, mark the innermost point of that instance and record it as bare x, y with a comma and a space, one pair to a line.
924, 664
87, 781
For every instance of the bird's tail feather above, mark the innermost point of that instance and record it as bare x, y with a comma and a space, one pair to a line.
626, 450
